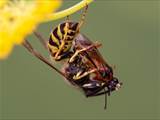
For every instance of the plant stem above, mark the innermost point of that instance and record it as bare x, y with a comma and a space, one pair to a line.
68, 11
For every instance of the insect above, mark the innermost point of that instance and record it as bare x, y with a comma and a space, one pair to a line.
62, 37
85, 69
91, 75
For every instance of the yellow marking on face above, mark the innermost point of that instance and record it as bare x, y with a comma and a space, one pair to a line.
69, 37
69, 31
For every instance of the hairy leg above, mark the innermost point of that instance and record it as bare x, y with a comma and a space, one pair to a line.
79, 75
81, 22
84, 49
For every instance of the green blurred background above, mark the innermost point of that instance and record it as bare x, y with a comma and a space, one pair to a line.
128, 30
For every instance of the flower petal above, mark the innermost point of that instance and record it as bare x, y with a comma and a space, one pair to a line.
18, 18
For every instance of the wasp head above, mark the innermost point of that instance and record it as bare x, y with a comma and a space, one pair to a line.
73, 26
113, 84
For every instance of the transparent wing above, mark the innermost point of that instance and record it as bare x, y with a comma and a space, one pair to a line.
93, 54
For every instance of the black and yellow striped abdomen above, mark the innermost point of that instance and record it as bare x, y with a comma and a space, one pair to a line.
57, 37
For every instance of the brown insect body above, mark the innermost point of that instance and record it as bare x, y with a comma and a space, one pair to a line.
93, 83
105, 72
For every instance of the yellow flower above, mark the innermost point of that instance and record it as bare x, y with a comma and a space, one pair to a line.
18, 18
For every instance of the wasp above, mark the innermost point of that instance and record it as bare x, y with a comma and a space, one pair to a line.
62, 37
86, 68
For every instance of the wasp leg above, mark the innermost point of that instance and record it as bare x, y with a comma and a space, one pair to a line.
81, 22
79, 75
41, 39
29, 47
63, 42
84, 49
